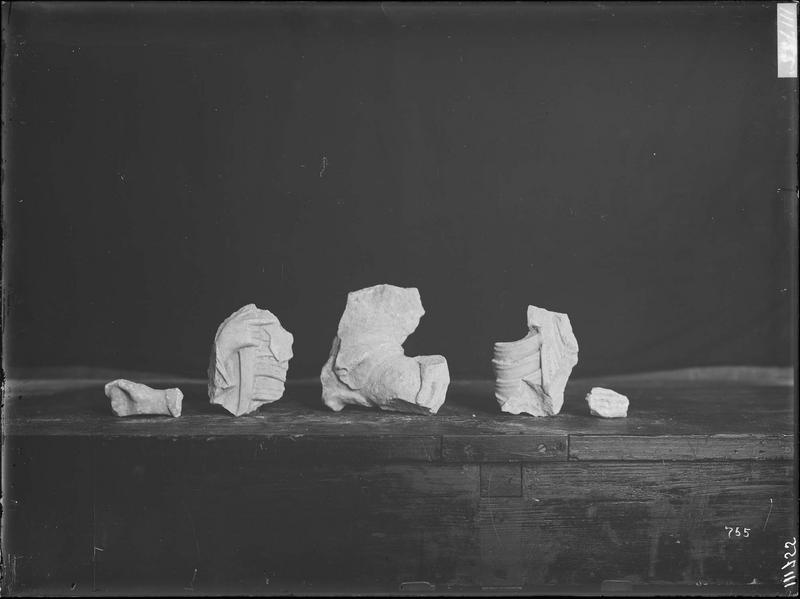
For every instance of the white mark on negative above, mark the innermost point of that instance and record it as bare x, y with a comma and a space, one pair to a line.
323, 166
768, 514
191, 582
787, 39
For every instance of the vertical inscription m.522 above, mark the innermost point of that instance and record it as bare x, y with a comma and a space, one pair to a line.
789, 569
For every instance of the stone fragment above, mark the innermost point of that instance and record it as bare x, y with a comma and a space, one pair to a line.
135, 399
607, 403
531, 374
249, 360
367, 365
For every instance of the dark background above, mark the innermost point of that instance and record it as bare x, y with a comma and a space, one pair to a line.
630, 165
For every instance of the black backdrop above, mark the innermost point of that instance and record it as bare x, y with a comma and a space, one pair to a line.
625, 164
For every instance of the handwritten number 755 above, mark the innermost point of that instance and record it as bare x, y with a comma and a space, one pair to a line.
737, 531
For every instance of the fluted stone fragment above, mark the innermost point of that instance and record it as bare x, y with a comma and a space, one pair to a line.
367, 365
135, 399
249, 360
607, 403
531, 374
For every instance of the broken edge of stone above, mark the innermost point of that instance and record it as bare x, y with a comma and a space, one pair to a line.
173, 398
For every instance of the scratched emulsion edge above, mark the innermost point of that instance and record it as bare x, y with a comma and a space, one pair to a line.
786, 59
6, 577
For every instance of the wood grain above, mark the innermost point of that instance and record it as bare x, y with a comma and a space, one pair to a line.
297, 499
194, 514
502, 543
503, 448
681, 447
501, 480
659, 522
673, 410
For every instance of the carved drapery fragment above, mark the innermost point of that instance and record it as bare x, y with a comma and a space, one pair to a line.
367, 365
531, 374
249, 360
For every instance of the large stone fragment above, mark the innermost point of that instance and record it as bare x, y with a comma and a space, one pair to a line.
607, 403
135, 399
367, 365
531, 374
249, 360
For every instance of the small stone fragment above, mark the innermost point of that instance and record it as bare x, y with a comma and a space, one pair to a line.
607, 403
367, 365
531, 374
249, 360
135, 399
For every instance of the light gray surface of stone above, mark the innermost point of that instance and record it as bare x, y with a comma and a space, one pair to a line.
606, 403
367, 365
531, 374
249, 361
135, 399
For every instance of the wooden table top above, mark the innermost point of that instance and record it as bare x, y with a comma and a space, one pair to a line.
688, 415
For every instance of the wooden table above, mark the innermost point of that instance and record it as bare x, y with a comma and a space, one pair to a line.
298, 498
